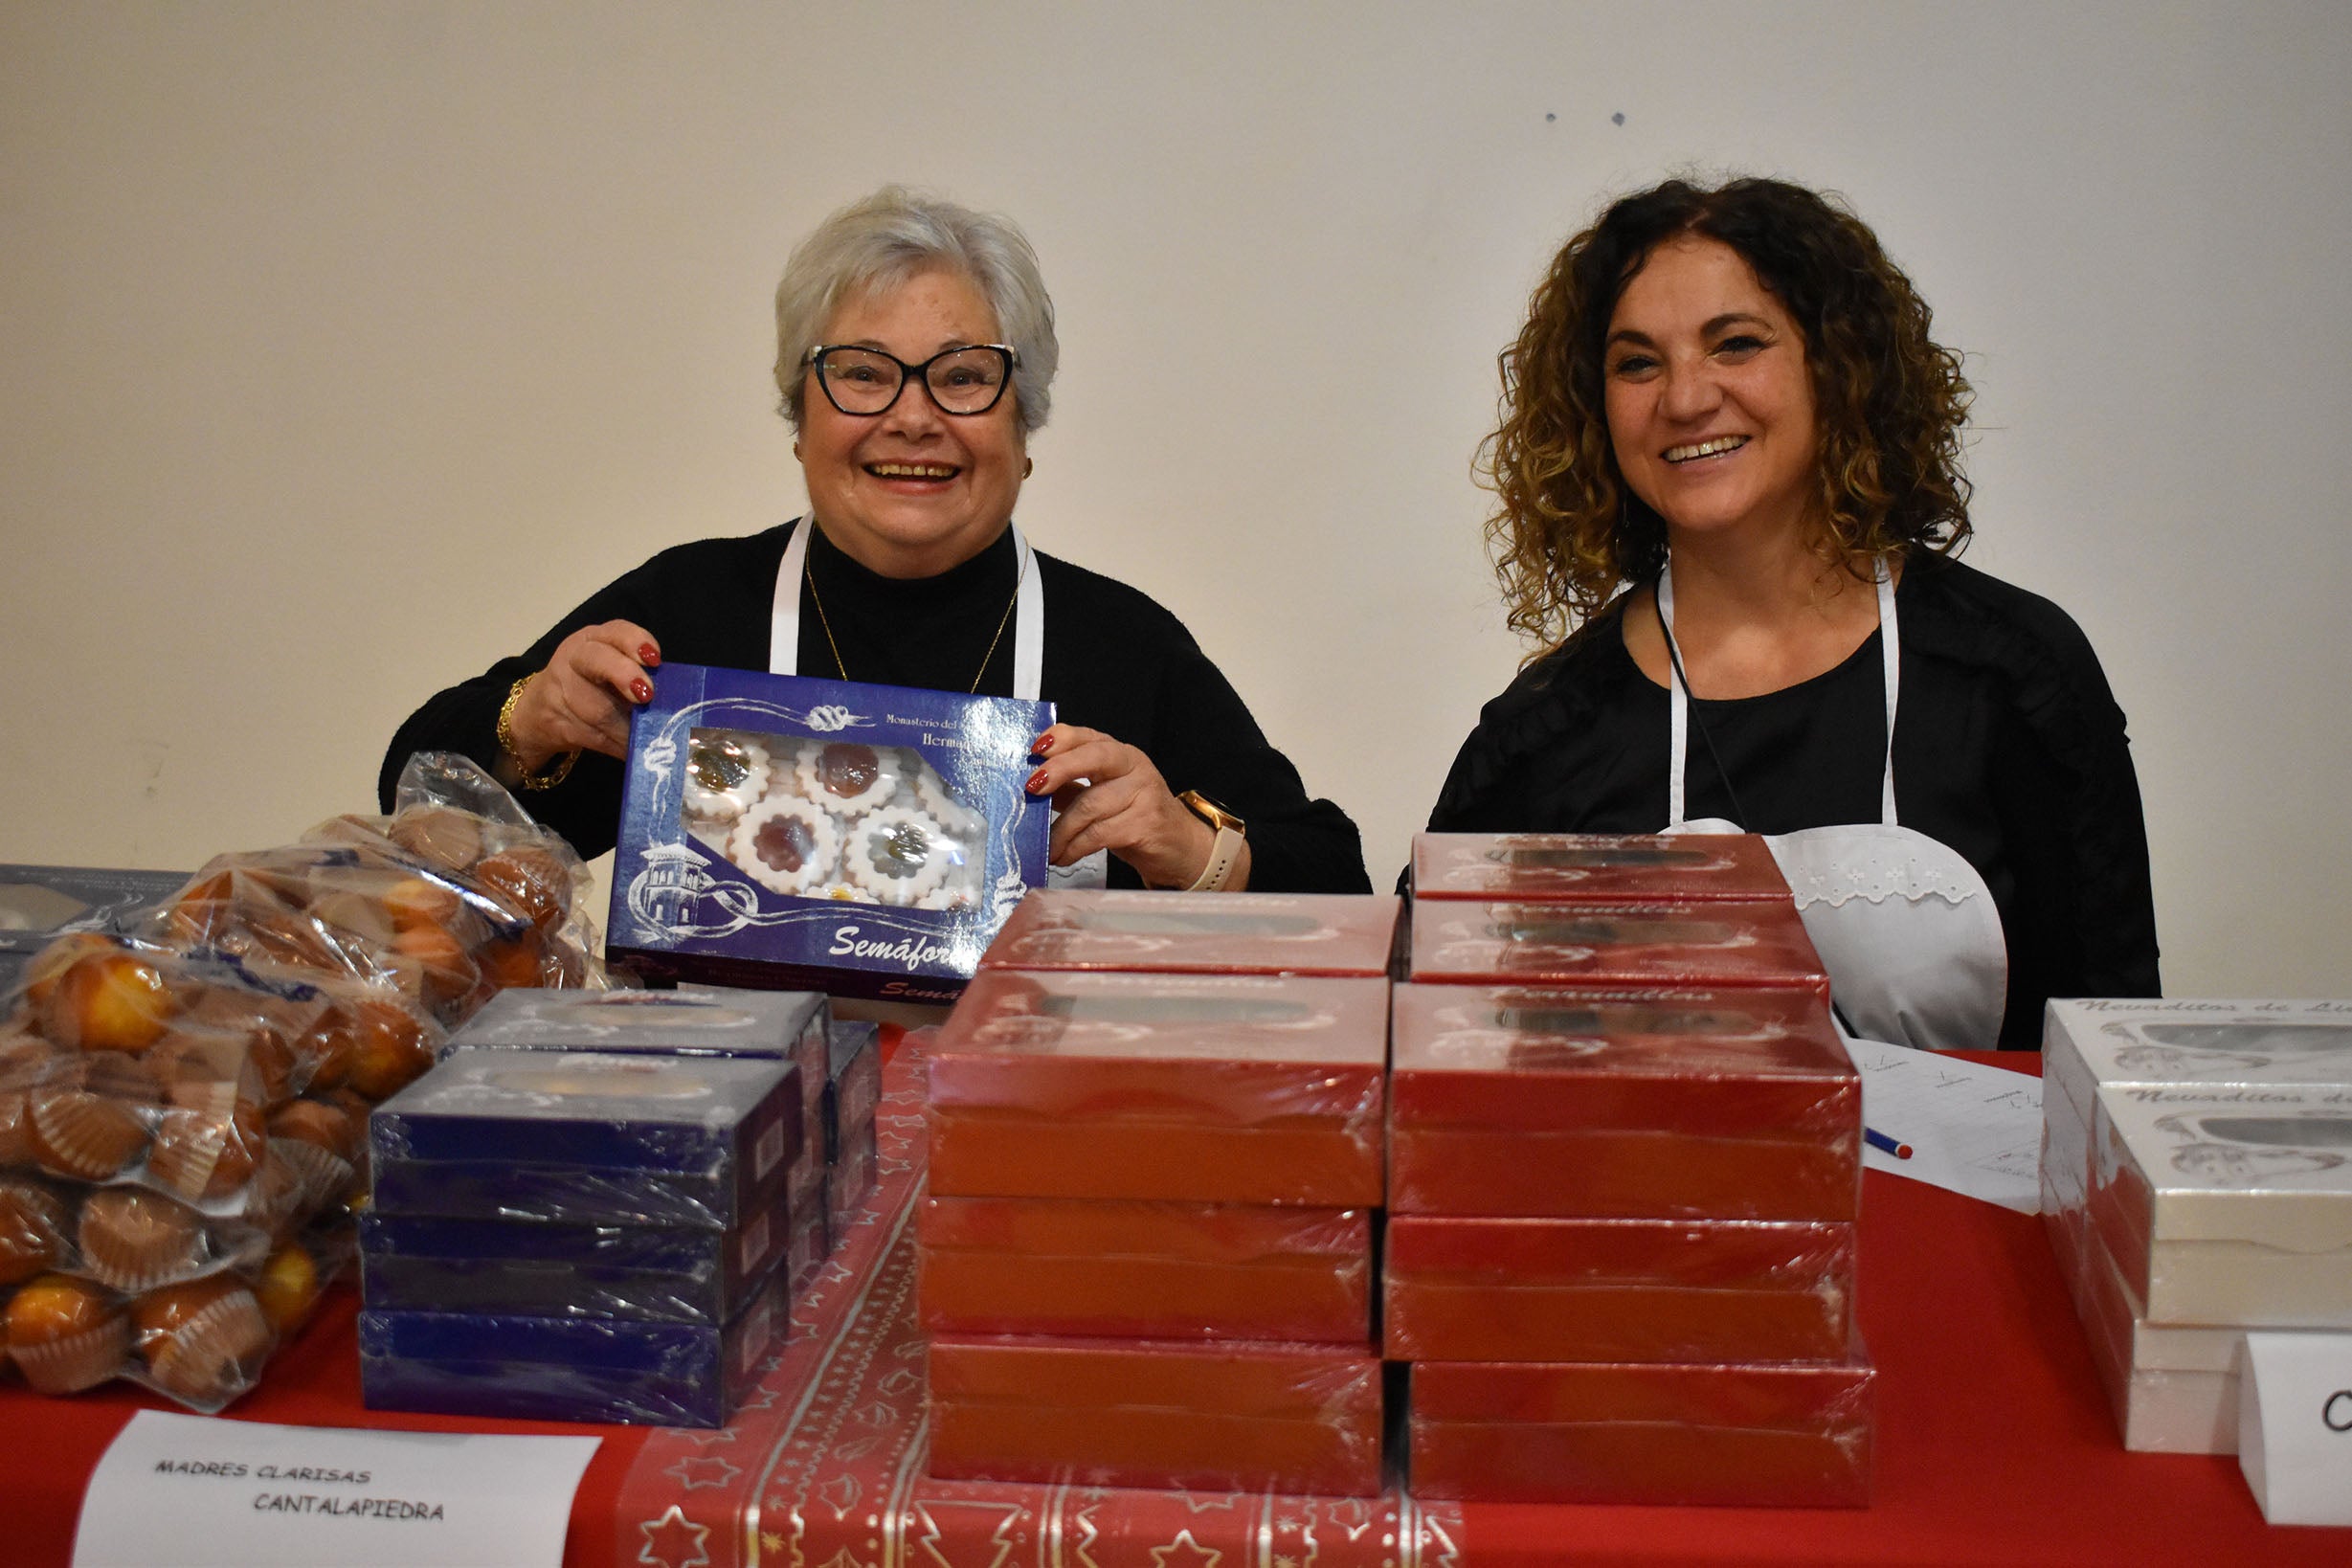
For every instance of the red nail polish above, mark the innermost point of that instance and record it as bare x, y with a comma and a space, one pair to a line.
649, 656
1036, 781
641, 690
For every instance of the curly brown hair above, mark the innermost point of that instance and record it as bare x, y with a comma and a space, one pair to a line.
1889, 401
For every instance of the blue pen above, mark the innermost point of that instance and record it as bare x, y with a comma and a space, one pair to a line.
1880, 1141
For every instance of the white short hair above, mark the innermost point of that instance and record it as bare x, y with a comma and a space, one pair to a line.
886, 238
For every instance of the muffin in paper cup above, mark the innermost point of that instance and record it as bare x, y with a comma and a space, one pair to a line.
24, 1065
33, 1224
134, 1240
66, 1334
82, 1134
203, 1341
206, 1152
279, 1196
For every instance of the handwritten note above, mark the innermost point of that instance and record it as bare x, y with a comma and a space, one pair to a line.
196, 1492
1972, 1129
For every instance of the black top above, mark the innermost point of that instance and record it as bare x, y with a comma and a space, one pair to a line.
1114, 660
2008, 747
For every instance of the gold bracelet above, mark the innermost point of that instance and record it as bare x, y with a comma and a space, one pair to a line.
560, 769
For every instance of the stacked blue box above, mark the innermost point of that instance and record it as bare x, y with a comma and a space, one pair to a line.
580, 1235
607, 1368
433, 1263
694, 1021
853, 1088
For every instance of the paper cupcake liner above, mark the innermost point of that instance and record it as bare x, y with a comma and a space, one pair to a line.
76, 1361
32, 1230
279, 1196
131, 1267
186, 1153
213, 1356
325, 1176
87, 1135
16, 1130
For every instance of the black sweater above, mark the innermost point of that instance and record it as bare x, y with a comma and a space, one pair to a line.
2008, 747
1114, 660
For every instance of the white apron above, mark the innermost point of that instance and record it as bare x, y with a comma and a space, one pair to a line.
1905, 925
1029, 655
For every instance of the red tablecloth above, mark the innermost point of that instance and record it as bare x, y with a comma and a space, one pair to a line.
1994, 1444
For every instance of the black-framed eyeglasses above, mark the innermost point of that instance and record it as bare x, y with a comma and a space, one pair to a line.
866, 381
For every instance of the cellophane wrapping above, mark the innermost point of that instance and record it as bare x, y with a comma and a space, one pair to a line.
1232, 1416
1523, 1290
1719, 943
593, 1369
1076, 1267
453, 897
659, 1274
1133, 931
1227, 1089
1706, 1105
853, 1087
590, 1138
177, 1135
1595, 869
1771, 1435
692, 1020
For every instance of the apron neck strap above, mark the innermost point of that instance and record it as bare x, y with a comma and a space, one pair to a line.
1028, 612
1678, 694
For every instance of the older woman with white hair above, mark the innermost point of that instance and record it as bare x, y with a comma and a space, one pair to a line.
916, 353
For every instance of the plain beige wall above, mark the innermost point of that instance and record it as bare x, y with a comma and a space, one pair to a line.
342, 347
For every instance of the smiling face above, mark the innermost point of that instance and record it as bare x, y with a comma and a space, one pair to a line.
1710, 404
912, 491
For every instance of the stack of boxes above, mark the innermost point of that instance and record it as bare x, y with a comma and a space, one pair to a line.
2197, 1183
853, 1088
580, 1212
1155, 1148
1625, 1155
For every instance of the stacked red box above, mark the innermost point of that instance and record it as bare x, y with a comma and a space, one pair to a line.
1595, 867
1147, 1246
1624, 1170
1126, 931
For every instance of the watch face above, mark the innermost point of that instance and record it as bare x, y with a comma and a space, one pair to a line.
1210, 812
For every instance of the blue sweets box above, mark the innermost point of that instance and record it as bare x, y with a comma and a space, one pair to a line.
426, 1263
570, 1368
849, 1180
785, 832
41, 903
707, 1021
853, 1082
589, 1138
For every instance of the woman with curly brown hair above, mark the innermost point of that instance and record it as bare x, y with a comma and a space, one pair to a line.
1730, 491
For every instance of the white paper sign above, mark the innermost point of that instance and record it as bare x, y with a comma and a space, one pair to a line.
1972, 1129
192, 1492
2294, 1426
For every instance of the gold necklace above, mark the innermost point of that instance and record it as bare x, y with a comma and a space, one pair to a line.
809, 570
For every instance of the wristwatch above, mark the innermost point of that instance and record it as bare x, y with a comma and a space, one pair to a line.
1226, 852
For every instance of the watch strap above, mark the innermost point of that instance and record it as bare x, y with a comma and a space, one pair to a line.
1224, 855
